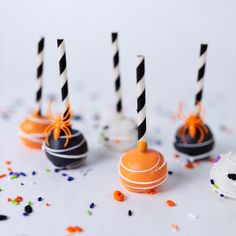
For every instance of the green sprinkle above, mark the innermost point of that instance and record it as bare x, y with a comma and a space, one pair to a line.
215, 185
89, 213
29, 203
1, 189
14, 202
14, 177
47, 170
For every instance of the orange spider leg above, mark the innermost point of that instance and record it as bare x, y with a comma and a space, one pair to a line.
183, 133
68, 134
201, 134
47, 131
205, 129
192, 131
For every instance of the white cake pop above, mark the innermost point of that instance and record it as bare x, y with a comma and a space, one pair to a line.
223, 175
119, 133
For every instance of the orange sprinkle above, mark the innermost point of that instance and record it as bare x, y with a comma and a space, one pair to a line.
117, 141
18, 199
119, 196
2, 176
8, 162
9, 169
189, 166
8, 199
47, 204
170, 203
74, 229
175, 227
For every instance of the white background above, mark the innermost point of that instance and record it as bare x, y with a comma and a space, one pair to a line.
169, 34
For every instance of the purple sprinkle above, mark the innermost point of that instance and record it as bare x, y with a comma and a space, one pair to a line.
25, 214
33, 172
70, 178
64, 174
21, 173
216, 159
212, 181
40, 199
56, 170
11, 173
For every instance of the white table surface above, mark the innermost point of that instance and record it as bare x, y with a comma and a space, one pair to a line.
169, 35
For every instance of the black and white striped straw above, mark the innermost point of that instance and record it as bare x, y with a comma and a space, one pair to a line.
39, 84
116, 66
201, 73
141, 100
63, 76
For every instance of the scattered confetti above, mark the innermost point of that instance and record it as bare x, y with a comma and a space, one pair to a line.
33, 172
3, 217
119, 196
2, 176
8, 162
28, 209
74, 229
170, 203
92, 205
175, 228
40, 199
130, 213
170, 172
70, 178
89, 213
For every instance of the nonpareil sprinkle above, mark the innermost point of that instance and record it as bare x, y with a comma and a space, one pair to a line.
170, 203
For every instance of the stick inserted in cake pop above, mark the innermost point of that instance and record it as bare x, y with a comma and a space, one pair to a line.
194, 139
39, 84
116, 68
141, 169
65, 147
32, 128
200, 78
119, 133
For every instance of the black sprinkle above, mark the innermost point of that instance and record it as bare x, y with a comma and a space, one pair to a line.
28, 209
232, 176
212, 181
77, 117
170, 172
106, 127
130, 213
92, 205
222, 195
3, 217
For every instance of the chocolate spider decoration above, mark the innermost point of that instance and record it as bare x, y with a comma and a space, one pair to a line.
191, 124
59, 124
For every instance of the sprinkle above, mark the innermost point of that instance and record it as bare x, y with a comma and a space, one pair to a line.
89, 213
64, 174
192, 216
1, 189
170, 203
22, 174
56, 170
3, 217
189, 166
47, 204
9, 169
118, 196
130, 213
70, 178
2, 176
9, 199
22, 184
29, 203
175, 227
212, 181
33, 172
18, 199
40, 199
222, 195
74, 229
92, 205
47, 170
25, 214
8, 162
28, 209
15, 202
170, 172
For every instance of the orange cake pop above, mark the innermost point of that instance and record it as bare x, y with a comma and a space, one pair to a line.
141, 169
32, 128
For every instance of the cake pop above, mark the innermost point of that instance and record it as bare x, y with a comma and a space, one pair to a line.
65, 147
223, 175
142, 169
31, 130
119, 133
194, 139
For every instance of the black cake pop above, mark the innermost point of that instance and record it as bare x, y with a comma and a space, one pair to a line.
65, 147
195, 138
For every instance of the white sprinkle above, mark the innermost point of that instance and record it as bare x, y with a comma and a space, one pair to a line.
192, 216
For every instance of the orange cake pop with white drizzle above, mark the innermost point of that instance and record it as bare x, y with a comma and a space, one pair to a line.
142, 169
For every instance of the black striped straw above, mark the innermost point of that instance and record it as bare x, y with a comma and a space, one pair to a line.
141, 100
39, 85
116, 66
200, 79
63, 76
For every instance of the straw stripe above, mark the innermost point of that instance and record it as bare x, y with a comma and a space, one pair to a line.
141, 100
116, 68
201, 73
39, 87
63, 76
